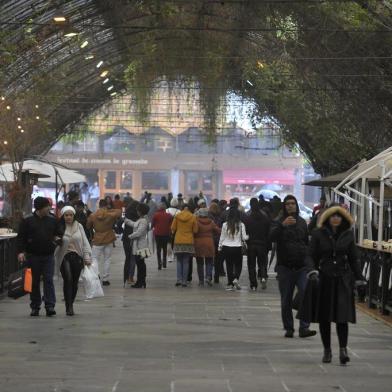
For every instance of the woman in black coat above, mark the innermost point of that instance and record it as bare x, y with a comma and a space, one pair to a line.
335, 270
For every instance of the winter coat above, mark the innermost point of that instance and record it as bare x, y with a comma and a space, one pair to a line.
36, 235
161, 223
102, 221
139, 234
204, 238
82, 246
292, 242
335, 257
258, 226
184, 226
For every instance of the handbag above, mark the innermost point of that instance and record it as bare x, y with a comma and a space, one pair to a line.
20, 283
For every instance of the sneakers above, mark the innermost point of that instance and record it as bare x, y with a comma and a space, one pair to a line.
105, 283
306, 333
209, 282
178, 284
263, 284
236, 284
289, 334
50, 312
230, 287
253, 288
201, 284
34, 313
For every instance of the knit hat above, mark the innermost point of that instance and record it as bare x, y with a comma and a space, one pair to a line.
174, 203
203, 212
41, 202
201, 202
67, 208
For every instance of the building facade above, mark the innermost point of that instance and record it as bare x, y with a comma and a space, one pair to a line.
235, 164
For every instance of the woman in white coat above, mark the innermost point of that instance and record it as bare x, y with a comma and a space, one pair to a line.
72, 255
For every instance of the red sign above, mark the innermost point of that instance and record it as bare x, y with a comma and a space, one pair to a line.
258, 176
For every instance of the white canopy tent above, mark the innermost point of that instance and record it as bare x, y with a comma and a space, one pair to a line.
46, 170
378, 169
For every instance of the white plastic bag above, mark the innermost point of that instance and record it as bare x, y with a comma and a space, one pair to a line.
91, 283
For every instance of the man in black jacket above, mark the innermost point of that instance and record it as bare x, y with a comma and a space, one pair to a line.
37, 239
290, 232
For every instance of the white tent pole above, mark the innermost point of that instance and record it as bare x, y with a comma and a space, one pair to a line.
368, 211
362, 211
381, 208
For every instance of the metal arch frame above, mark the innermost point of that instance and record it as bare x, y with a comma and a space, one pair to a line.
361, 174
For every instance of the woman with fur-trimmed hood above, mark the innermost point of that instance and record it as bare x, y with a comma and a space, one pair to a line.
335, 267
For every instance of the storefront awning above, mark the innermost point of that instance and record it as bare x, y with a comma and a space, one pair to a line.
258, 176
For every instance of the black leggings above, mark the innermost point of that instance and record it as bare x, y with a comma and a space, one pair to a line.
70, 269
141, 270
341, 330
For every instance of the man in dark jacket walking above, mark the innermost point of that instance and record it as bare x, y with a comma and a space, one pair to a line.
290, 232
37, 239
257, 226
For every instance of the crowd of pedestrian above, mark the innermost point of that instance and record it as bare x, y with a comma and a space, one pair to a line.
319, 260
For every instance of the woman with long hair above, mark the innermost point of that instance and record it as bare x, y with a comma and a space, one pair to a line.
230, 243
73, 253
329, 296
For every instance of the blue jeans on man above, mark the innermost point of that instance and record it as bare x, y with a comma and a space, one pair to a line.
42, 266
289, 279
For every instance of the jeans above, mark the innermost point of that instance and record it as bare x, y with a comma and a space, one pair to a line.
257, 253
162, 242
233, 257
183, 266
208, 261
288, 279
70, 269
106, 251
42, 266
130, 262
141, 270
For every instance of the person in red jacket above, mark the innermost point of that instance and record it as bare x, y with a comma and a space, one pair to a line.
161, 224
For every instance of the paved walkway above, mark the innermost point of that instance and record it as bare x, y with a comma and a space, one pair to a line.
166, 339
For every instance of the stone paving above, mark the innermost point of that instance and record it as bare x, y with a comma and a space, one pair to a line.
168, 339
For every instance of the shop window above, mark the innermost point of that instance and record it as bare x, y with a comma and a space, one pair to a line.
126, 180
110, 180
155, 180
207, 182
192, 182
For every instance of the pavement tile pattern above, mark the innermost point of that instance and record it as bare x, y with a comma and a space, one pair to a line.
168, 339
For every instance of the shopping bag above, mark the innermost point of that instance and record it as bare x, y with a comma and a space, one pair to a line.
28, 280
91, 283
20, 283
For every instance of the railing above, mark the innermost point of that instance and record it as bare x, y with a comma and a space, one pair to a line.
8, 259
378, 275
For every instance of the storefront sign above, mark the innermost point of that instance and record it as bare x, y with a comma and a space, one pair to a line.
101, 161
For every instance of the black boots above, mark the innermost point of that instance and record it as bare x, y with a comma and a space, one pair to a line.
327, 357
343, 356
306, 333
69, 310
50, 312
139, 285
34, 313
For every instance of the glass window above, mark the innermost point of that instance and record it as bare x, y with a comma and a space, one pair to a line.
110, 180
192, 182
207, 182
155, 180
126, 180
